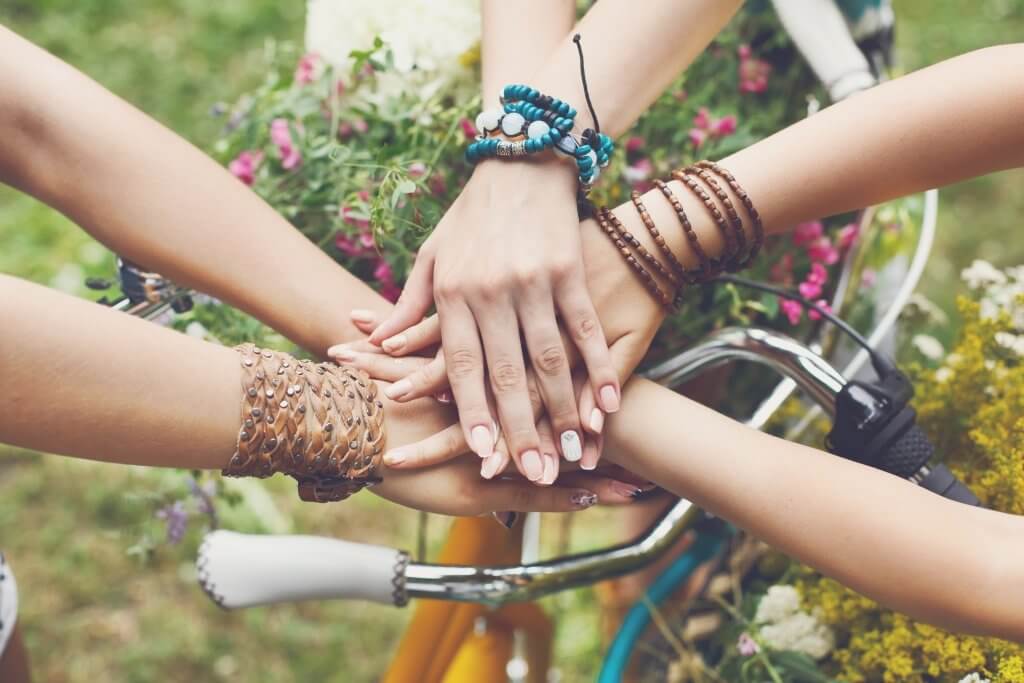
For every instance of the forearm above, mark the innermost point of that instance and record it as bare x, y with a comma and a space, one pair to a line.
878, 534
152, 197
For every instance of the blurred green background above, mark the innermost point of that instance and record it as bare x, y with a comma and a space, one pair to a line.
89, 610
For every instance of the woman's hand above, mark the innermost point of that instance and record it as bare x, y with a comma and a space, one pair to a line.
628, 313
506, 260
455, 487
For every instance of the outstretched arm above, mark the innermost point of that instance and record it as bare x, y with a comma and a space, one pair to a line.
879, 534
152, 197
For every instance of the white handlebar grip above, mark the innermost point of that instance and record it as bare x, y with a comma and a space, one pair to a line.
245, 570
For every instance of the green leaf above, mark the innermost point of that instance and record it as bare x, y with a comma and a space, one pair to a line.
798, 667
770, 303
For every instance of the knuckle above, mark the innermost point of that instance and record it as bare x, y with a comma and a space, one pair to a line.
562, 269
585, 327
448, 289
491, 289
452, 443
462, 364
506, 376
550, 360
536, 400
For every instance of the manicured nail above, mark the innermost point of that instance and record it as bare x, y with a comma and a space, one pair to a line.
596, 420
621, 488
363, 315
609, 399
443, 397
583, 499
341, 353
572, 449
489, 465
481, 440
495, 431
550, 470
532, 465
398, 389
394, 343
649, 486
588, 465
506, 519
394, 458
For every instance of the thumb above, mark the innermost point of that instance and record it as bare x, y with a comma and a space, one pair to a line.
416, 299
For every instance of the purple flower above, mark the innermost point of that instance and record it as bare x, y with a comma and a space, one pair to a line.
281, 136
177, 521
747, 646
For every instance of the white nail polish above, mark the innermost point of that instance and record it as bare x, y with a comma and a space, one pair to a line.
572, 449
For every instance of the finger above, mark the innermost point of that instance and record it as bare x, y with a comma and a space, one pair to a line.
548, 452
441, 447
383, 367
494, 464
359, 346
464, 361
364, 319
519, 496
422, 335
551, 369
506, 372
592, 453
584, 329
416, 298
610, 491
428, 379
591, 417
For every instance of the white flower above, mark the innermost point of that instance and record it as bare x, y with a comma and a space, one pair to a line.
928, 346
425, 38
974, 678
800, 632
784, 626
1014, 342
927, 308
943, 374
982, 273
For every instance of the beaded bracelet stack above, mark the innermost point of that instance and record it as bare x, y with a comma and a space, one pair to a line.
698, 178
544, 122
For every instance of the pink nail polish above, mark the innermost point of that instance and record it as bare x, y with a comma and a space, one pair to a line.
596, 420
394, 343
480, 436
489, 466
532, 465
340, 353
609, 398
394, 458
550, 470
398, 389
623, 489
362, 315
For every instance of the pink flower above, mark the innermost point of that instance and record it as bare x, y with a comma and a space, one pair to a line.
438, 185
245, 164
724, 126
309, 68
809, 290
638, 172
345, 130
635, 144
417, 169
848, 236
818, 274
753, 72
281, 136
747, 646
792, 310
468, 129
814, 315
805, 233
705, 126
822, 250
360, 126
386, 278
782, 271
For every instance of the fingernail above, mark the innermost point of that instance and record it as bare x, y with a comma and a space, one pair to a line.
583, 499
398, 389
590, 465
572, 449
550, 470
495, 432
394, 458
394, 343
596, 420
489, 466
649, 486
506, 519
341, 353
443, 397
483, 444
532, 465
609, 399
623, 489
363, 315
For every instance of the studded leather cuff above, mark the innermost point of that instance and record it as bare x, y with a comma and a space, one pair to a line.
320, 423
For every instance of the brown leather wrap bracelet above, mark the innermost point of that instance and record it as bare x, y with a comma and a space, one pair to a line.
320, 423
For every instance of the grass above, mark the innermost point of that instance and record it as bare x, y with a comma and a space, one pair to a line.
90, 611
